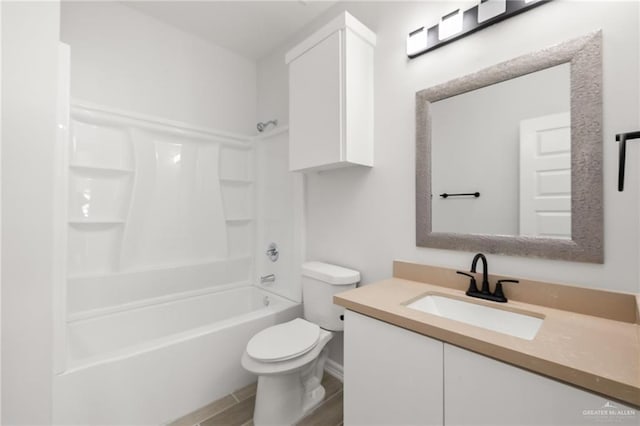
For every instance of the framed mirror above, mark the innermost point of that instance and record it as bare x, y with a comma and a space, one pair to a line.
509, 159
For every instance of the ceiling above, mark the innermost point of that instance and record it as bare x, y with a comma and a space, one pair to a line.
250, 28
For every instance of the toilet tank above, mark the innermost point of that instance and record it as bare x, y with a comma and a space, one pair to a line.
320, 281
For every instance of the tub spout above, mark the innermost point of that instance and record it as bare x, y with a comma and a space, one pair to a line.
267, 279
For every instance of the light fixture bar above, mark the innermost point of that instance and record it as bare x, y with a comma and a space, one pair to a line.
423, 40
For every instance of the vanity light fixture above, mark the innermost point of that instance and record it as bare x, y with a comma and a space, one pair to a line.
491, 8
458, 23
416, 42
450, 24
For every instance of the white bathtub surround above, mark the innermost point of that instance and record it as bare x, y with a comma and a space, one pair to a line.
154, 209
280, 213
161, 223
145, 194
157, 363
157, 303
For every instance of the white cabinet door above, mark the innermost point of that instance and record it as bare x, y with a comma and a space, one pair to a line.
315, 99
392, 376
331, 97
482, 391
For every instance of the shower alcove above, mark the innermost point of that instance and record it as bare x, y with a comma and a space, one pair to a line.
156, 228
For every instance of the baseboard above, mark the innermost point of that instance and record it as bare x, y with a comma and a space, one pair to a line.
335, 369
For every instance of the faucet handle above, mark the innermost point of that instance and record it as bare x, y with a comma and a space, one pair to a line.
498, 291
272, 252
473, 288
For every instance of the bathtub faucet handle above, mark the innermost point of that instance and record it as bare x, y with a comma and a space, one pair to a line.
272, 252
267, 279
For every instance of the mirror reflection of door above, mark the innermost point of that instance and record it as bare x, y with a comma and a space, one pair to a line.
545, 176
476, 148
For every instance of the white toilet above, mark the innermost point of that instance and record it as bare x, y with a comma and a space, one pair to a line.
289, 358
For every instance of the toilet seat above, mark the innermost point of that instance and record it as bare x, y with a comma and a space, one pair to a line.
284, 341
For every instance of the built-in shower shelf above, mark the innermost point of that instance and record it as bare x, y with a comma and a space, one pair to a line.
99, 169
105, 221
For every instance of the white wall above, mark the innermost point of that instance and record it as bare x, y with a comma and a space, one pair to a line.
29, 86
365, 218
273, 89
124, 59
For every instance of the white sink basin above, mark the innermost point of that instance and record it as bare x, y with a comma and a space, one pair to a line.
511, 323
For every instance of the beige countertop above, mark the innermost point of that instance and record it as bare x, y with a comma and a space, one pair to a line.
590, 351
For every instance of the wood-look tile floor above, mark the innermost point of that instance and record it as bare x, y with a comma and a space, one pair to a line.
236, 409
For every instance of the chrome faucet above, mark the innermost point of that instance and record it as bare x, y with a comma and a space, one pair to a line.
267, 279
485, 293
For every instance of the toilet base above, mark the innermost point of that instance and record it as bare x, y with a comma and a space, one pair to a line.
284, 399
313, 399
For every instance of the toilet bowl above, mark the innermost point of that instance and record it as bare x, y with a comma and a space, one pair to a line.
289, 379
289, 358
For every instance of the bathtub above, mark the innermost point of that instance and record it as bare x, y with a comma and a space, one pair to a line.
154, 364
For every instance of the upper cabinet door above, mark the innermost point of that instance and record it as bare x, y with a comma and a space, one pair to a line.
331, 97
315, 117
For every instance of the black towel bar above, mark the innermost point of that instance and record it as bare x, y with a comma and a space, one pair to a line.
466, 194
623, 138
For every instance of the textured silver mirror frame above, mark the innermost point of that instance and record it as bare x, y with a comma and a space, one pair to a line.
587, 228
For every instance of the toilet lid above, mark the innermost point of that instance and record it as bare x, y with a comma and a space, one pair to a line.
284, 341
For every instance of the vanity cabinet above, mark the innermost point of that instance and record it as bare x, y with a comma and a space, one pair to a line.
481, 390
331, 97
393, 376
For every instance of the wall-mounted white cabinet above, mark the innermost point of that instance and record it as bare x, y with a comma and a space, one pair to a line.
396, 376
331, 97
